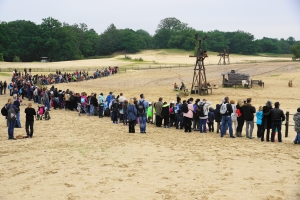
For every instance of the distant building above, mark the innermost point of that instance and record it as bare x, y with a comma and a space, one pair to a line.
44, 59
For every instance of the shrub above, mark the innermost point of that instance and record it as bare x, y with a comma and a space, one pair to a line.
17, 59
1, 57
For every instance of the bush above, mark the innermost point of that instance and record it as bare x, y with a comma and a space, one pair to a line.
127, 57
17, 59
1, 57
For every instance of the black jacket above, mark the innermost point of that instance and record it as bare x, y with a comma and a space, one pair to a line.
248, 112
276, 115
241, 118
267, 119
218, 117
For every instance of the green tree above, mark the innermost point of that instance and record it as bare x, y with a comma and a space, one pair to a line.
1, 57
296, 50
17, 59
129, 41
109, 41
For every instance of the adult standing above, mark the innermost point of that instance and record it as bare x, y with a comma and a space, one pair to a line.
101, 104
1, 87
179, 114
131, 115
188, 116
4, 87
248, 113
297, 126
196, 119
142, 108
93, 104
17, 104
277, 117
234, 116
226, 110
12, 111
267, 124
204, 104
218, 117
30, 112
158, 108
240, 118
46, 99
67, 100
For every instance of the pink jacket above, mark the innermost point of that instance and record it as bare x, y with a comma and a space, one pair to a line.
189, 114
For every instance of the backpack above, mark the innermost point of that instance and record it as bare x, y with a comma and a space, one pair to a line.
11, 114
4, 111
141, 108
184, 108
200, 110
177, 108
238, 112
223, 108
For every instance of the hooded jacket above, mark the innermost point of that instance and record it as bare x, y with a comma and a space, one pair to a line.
297, 122
217, 114
276, 115
259, 117
205, 108
211, 115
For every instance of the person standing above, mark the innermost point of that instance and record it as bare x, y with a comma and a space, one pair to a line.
158, 108
240, 118
248, 113
46, 99
277, 117
196, 119
267, 125
1, 87
188, 116
218, 117
203, 114
179, 114
12, 111
4, 87
165, 113
226, 110
131, 115
101, 104
259, 119
67, 100
234, 117
297, 126
17, 104
142, 107
30, 113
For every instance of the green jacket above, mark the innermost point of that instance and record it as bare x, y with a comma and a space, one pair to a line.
149, 111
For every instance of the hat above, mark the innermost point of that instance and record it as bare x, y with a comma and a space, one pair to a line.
298, 110
150, 103
173, 102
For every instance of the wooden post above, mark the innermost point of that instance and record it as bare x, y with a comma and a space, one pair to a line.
287, 116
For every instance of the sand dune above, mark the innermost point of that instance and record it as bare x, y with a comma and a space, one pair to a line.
81, 157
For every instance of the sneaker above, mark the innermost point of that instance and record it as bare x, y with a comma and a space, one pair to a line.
232, 137
251, 137
295, 142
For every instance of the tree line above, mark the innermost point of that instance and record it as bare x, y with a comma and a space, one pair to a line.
26, 41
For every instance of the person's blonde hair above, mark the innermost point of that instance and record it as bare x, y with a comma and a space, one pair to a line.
232, 102
240, 102
260, 108
10, 101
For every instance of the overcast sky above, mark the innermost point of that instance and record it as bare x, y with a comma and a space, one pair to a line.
262, 18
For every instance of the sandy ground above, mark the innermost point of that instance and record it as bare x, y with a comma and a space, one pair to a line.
72, 157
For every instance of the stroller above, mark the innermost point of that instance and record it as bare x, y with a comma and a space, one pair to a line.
42, 113
81, 109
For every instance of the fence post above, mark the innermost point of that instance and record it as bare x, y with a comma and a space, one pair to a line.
287, 116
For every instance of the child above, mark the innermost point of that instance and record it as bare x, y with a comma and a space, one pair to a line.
259, 118
30, 112
149, 113
211, 118
172, 113
297, 126
218, 117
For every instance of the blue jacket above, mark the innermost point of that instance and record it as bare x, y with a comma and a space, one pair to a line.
259, 117
211, 115
131, 112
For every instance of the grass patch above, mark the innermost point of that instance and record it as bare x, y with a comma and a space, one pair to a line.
276, 55
4, 74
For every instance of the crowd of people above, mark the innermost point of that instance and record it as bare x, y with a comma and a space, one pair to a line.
198, 115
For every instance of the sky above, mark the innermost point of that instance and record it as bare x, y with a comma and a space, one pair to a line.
262, 18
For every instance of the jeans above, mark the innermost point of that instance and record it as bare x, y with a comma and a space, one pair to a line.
143, 120
4, 90
47, 104
179, 121
297, 138
260, 131
92, 110
202, 126
39, 99
18, 120
226, 120
249, 131
188, 124
131, 126
196, 124
11, 126
100, 111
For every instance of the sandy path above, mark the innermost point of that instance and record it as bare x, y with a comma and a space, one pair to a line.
83, 157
